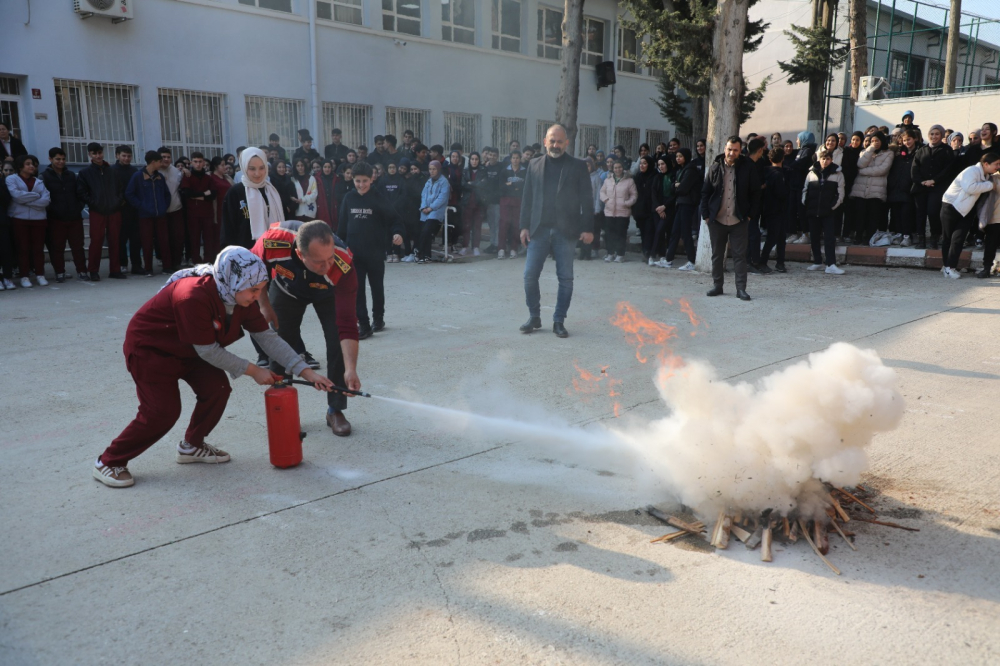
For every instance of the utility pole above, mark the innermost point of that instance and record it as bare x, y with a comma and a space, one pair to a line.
568, 101
954, 35
859, 50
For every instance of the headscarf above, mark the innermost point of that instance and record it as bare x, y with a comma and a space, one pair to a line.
938, 128
235, 269
806, 138
261, 215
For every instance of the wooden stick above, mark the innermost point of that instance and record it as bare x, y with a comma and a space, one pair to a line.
785, 527
840, 510
765, 545
740, 533
819, 534
694, 528
793, 533
837, 527
887, 524
857, 500
727, 524
805, 533
755, 538
670, 537
717, 529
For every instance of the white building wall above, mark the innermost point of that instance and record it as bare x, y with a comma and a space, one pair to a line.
961, 112
221, 46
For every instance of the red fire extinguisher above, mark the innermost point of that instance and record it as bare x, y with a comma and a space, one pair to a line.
284, 434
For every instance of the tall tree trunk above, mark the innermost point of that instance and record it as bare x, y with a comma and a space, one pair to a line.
859, 51
724, 96
568, 101
954, 37
699, 119
816, 105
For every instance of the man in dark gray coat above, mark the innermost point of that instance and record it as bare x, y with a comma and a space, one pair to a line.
557, 209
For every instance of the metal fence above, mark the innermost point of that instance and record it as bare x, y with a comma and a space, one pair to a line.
541, 127
91, 111
506, 130
192, 121
398, 120
908, 43
592, 134
463, 128
353, 120
273, 115
655, 137
628, 137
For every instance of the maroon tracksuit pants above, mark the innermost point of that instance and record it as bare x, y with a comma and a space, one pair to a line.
30, 237
201, 233
156, 383
154, 227
101, 226
61, 231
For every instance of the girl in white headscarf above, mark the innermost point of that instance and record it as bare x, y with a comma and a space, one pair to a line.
180, 334
253, 204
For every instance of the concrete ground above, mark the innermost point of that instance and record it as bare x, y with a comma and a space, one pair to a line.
414, 543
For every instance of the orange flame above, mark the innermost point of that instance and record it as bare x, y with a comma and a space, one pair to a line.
686, 308
640, 331
587, 382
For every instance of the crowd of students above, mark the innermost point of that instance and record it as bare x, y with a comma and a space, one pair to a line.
879, 187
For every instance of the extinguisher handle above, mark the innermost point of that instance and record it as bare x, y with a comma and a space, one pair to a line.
335, 389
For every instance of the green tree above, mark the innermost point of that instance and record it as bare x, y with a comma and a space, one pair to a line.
817, 53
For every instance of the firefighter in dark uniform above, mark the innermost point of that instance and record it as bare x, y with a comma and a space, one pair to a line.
311, 266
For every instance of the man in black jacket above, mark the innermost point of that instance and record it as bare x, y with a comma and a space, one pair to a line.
730, 198
131, 241
98, 188
557, 209
65, 215
335, 150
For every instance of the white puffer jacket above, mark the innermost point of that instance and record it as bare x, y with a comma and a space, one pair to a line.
873, 170
964, 191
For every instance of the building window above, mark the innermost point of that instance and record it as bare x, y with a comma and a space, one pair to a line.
654, 137
593, 45
628, 50
398, 120
276, 5
506, 130
906, 73
507, 25
191, 121
342, 11
462, 128
592, 134
628, 137
541, 127
935, 78
273, 115
550, 34
102, 112
458, 21
401, 16
10, 97
353, 120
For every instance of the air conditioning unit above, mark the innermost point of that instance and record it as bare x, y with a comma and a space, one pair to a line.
116, 10
872, 88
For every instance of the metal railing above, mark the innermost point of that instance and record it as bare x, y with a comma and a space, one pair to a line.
628, 137
193, 121
398, 120
463, 128
273, 115
91, 111
506, 130
353, 120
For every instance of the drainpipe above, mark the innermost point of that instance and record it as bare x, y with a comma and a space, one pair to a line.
614, 59
313, 82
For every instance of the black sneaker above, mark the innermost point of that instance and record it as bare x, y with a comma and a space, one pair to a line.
94, 277
263, 361
364, 332
117, 276
379, 325
60, 278
308, 358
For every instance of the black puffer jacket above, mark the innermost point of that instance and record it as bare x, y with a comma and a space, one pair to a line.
98, 187
899, 182
687, 185
65, 205
931, 163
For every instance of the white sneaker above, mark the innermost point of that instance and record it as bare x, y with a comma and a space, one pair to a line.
687, 267
794, 238
663, 263
42, 282
609, 257
206, 453
26, 283
115, 477
833, 269
619, 258
511, 254
8, 284
895, 239
802, 240
476, 252
816, 267
409, 259
501, 255
906, 242
651, 262
952, 273
463, 252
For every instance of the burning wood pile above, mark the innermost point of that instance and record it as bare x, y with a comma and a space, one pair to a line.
842, 506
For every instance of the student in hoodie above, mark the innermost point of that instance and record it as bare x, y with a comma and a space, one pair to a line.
804, 159
774, 209
305, 149
149, 195
98, 188
365, 221
870, 188
29, 200
65, 215
473, 207
901, 207
958, 209
849, 167
199, 195
391, 186
327, 208
931, 164
130, 240
664, 204
687, 194
511, 193
433, 201
822, 195
907, 121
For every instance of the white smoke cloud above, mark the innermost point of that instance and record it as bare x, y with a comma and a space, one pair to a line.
753, 448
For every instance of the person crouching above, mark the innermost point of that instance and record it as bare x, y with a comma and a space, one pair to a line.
180, 334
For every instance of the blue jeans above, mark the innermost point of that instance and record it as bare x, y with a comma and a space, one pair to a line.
543, 241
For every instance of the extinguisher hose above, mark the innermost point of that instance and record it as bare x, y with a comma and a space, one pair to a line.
335, 389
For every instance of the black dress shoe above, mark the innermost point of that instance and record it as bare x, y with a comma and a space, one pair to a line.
780, 268
754, 270
742, 295
559, 330
985, 273
117, 276
94, 277
531, 325
364, 332
715, 291
765, 269
377, 326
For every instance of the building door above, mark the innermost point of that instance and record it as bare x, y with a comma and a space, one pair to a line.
10, 104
